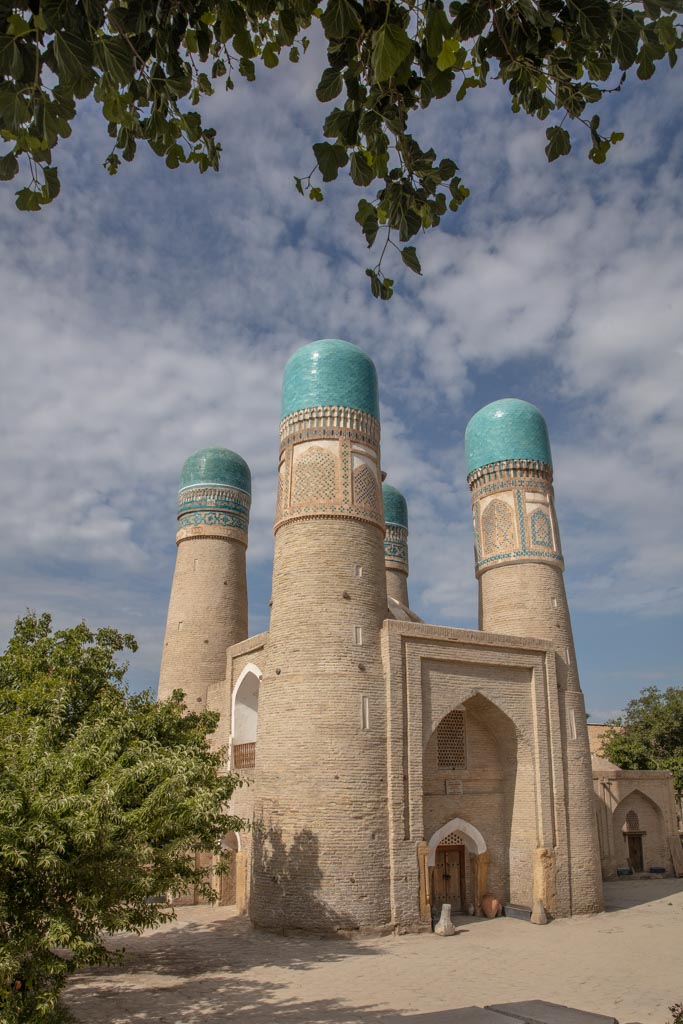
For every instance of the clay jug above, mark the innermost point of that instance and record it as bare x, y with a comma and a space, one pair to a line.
490, 906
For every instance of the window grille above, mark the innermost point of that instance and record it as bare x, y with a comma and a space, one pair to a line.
453, 839
632, 822
451, 742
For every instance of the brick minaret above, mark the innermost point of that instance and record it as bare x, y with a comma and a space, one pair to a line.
208, 607
520, 567
321, 857
396, 543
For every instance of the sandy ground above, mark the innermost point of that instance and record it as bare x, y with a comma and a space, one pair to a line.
210, 966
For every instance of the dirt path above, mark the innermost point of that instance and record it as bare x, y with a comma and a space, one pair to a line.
211, 967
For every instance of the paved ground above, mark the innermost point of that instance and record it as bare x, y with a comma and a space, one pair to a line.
210, 967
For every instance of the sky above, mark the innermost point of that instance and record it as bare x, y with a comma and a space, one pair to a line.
151, 314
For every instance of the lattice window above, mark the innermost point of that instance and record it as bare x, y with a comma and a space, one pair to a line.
453, 839
632, 822
451, 740
314, 478
498, 527
365, 487
541, 532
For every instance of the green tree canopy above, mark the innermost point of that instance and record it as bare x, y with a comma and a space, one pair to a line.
649, 735
105, 798
149, 64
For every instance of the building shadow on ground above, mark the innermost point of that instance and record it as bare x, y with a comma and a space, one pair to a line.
625, 893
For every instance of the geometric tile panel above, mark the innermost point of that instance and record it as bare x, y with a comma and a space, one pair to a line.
314, 477
365, 487
541, 532
498, 527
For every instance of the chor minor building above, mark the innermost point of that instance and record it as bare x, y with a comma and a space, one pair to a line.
394, 765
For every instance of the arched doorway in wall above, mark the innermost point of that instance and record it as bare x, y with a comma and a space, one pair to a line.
640, 839
244, 727
226, 882
456, 861
478, 769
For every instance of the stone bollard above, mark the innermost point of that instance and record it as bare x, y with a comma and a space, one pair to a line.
445, 925
538, 914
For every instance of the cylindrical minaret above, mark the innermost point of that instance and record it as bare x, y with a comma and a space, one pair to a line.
321, 858
396, 543
520, 567
208, 607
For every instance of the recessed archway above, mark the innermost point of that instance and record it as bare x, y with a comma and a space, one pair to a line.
244, 717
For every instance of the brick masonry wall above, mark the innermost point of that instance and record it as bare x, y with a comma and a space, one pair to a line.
207, 613
521, 592
321, 857
397, 586
651, 795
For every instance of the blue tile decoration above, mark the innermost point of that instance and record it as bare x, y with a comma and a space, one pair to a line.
541, 532
540, 546
211, 519
218, 466
395, 507
330, 372
506, 429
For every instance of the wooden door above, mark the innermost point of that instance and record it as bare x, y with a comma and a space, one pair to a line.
449, 878
635, 852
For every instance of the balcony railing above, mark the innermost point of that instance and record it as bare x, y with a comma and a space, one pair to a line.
244, 755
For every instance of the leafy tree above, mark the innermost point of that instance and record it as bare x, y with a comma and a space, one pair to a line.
105, 798
148, 65
649, 735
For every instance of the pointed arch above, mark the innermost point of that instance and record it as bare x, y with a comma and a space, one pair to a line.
474, 840
244, 709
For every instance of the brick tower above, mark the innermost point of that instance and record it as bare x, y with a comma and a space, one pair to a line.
321, 847
396, 543
519, 566
208, 606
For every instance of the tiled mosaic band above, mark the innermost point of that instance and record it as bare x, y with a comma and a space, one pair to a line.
213, 506
514, 515
329, 466
396, 548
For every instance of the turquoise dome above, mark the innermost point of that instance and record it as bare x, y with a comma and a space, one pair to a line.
216, 466
330, 372
507, 429
395, 507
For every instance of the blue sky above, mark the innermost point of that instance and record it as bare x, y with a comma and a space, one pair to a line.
151, 314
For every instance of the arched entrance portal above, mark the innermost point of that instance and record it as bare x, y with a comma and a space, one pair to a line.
457, 860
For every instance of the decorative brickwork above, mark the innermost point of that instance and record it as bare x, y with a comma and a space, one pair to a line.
315, 478
318, 449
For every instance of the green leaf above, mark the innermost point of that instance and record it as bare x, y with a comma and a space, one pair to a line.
472, 18
269, 55
330, 85
625, 39
437, 29
390, 47
50, 189
340, 19
27, 199
559, 143
361, 171
74, 55
375, 286
448, 55
409, 257
316, 194
115, 56
330, 158
666, 33
9, 167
